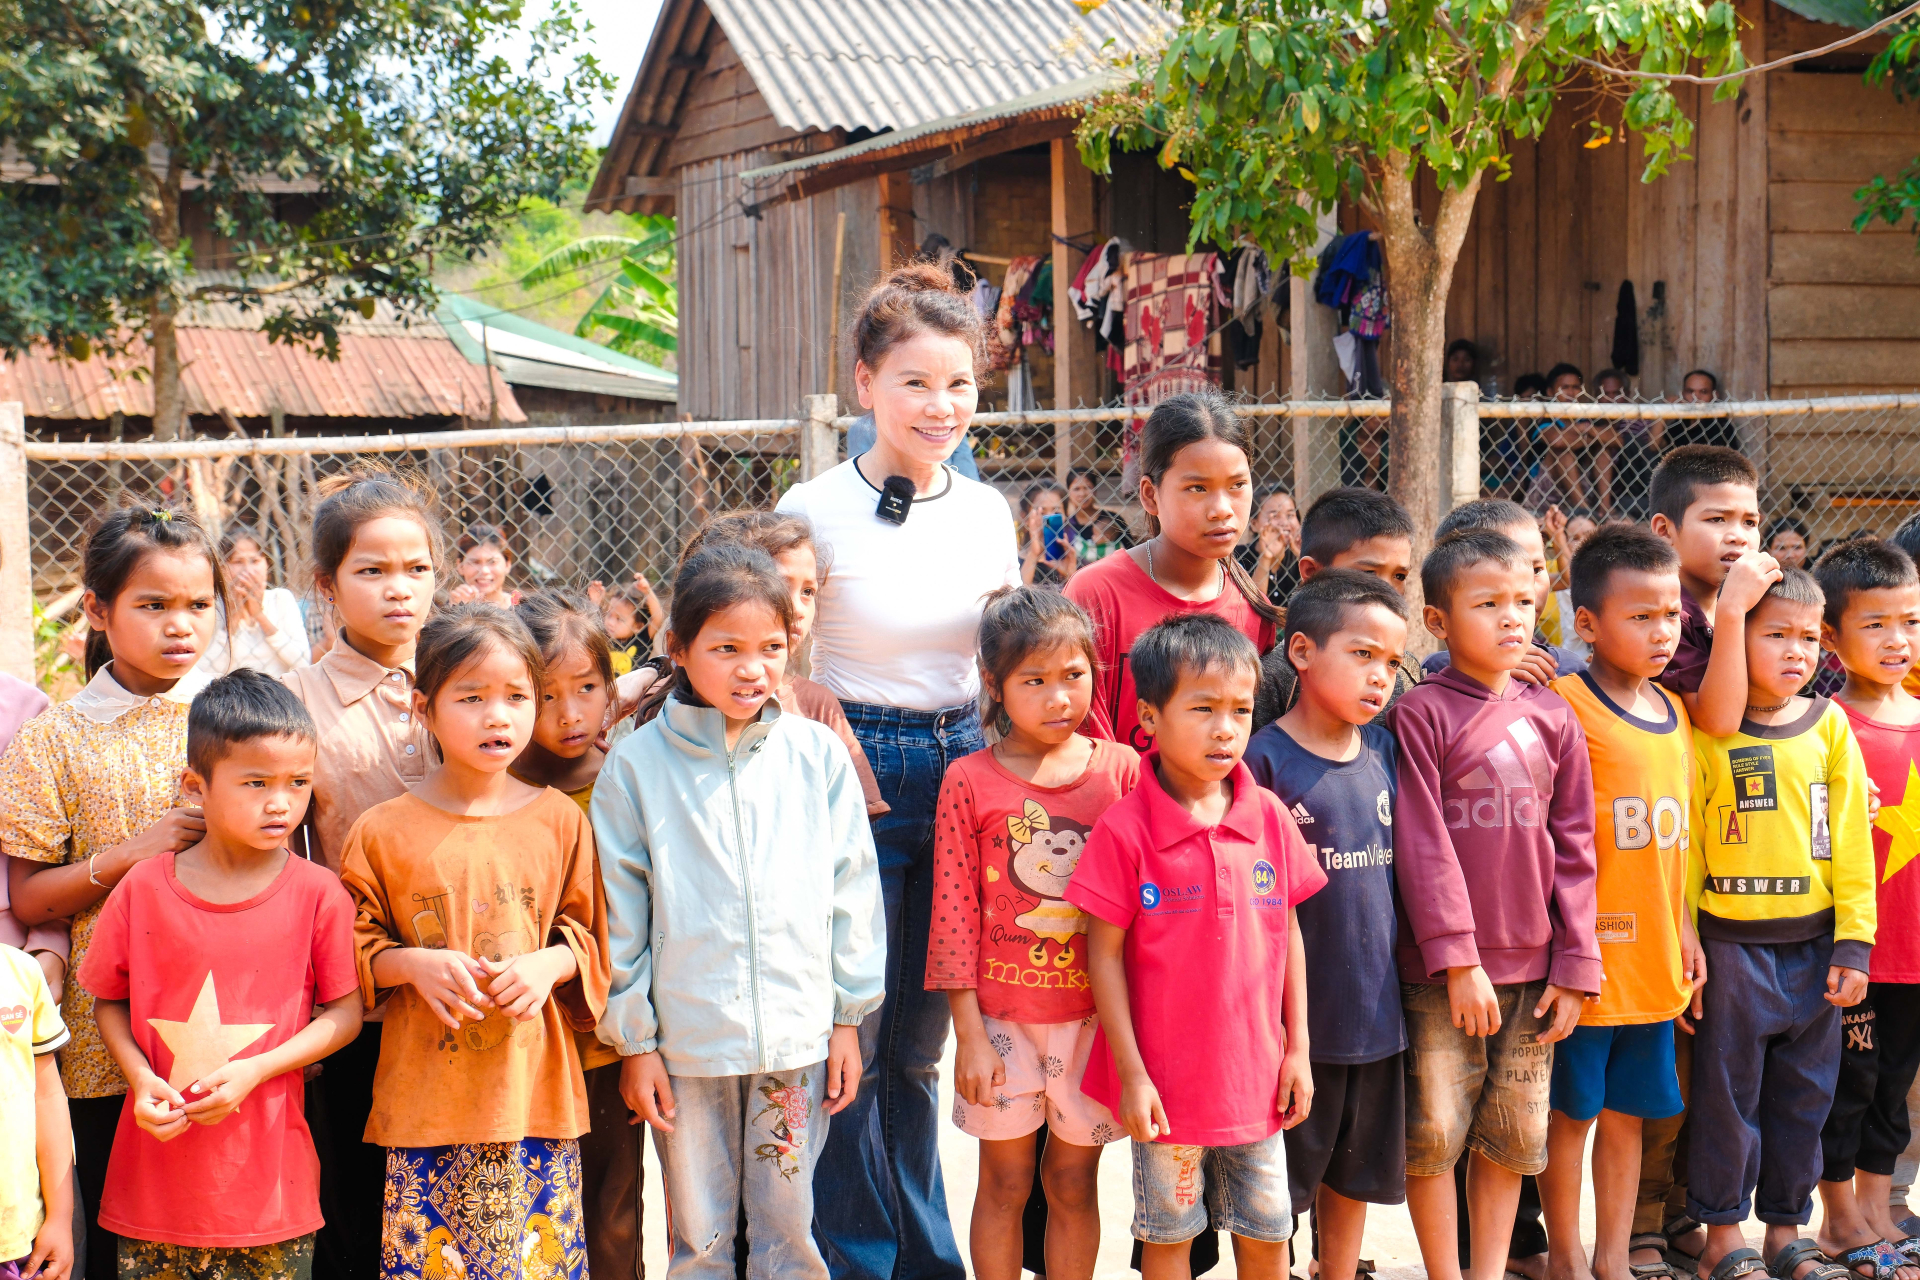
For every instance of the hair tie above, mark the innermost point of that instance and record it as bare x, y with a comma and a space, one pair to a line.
161, 513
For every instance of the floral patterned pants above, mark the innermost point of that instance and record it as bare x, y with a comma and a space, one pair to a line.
153, 1260
484, 1211
744, 1140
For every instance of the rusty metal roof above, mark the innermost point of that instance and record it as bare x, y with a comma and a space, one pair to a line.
889, 64
415, 374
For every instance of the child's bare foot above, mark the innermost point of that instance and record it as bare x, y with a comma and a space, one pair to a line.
1572, 1266
1533, 1267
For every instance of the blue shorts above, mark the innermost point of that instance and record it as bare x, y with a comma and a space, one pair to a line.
1625, 1069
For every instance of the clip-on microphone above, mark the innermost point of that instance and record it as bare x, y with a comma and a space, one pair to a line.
896, 500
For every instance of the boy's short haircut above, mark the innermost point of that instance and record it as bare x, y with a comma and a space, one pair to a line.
1561, 370
1612, 548
1907, 536
1184, 646
1485, 513
1344, 517
1453, 555
1323, 603
1862, 564
1529, 384
1797, 586
1692, 467
239, 707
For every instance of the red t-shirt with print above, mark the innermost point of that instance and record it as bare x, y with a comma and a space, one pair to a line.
206, 983
1205, 910
1123, 601
1003, 852
1893, 762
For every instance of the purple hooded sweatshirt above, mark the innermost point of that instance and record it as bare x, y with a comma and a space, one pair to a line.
1493, 834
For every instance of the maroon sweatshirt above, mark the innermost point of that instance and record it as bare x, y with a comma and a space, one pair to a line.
1493, 834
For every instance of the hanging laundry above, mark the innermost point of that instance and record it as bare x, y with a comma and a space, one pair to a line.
1368, 315
1020, 396
1347, 265
1249, 281
1626, 332
1170, 309
1003, 336
986, 299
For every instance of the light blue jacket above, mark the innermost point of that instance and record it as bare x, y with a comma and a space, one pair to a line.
743, 893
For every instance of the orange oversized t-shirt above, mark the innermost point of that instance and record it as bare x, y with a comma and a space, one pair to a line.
1641, 774
1004, 851
493, 887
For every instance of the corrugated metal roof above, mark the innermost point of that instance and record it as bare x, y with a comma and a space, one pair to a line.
377, 376
533, 355
889, 64
1045, 103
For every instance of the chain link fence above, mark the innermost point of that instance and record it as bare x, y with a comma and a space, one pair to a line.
577, 505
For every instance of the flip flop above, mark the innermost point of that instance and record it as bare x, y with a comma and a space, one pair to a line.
1885, 1259
1909, 1245
1802, 1250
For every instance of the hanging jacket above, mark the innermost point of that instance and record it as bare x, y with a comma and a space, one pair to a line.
743, 892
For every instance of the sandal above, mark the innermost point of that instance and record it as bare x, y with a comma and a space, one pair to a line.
1802, 1250
1885, 1259
1738, 1263
1909, 1247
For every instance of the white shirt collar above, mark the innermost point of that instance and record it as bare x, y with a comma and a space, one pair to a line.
105, 699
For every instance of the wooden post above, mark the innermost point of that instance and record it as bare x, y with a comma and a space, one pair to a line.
1315, 375
1075, 374
16, 547
833, 325
819, 441
896, 219
1459, 444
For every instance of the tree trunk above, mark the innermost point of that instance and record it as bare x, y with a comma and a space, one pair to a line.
1419, 262
161, 196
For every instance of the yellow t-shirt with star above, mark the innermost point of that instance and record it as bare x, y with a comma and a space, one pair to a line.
30, 1027
1781, 849
1892, 753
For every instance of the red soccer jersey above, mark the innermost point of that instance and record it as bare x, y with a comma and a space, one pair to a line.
1003, 852
1123, 601
206, 983
1205, 910
1893, 762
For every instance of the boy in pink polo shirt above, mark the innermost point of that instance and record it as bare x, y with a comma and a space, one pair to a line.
1196, 961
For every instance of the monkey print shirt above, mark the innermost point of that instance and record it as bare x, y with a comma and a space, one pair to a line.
1003, 852
493, 887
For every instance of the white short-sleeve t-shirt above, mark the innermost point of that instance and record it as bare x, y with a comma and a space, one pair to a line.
898, 620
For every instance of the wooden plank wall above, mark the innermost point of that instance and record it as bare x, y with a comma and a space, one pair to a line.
724, 114
755, 293
1539, 278
1843, 308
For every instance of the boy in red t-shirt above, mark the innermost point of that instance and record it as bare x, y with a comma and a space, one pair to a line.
1196, 960
1872, 623
206, 966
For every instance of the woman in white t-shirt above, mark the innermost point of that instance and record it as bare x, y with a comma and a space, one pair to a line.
263, 628
896, 640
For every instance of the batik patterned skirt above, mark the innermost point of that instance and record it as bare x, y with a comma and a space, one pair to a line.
484, 1211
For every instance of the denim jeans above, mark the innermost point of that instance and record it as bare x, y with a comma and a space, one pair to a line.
880, 1203
745, 1142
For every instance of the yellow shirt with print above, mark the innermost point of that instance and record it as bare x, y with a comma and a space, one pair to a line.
1781, 849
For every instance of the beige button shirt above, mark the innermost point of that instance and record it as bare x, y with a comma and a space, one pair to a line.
373, 747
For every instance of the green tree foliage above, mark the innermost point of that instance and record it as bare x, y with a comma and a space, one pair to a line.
1279, 109
405, 139
638, 312
1895, 199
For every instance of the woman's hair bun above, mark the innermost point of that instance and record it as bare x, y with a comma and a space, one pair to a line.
921, 276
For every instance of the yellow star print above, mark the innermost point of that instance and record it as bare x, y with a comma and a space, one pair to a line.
1902, 822
203, 1044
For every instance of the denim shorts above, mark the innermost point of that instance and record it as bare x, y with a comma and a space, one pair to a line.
1629, 1070
1244, 1188
1490, 1093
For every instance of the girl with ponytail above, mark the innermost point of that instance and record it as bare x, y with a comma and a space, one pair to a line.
1196, 484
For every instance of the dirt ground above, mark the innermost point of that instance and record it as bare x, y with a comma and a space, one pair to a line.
1390, 1241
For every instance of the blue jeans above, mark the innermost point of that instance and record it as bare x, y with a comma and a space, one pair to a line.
880, 1204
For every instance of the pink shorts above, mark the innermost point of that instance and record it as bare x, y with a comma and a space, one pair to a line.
1045, 1064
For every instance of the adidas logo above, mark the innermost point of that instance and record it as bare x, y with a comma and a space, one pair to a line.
1301, 816
1514, 775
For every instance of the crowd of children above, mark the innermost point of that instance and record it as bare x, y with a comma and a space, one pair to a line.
378, 968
